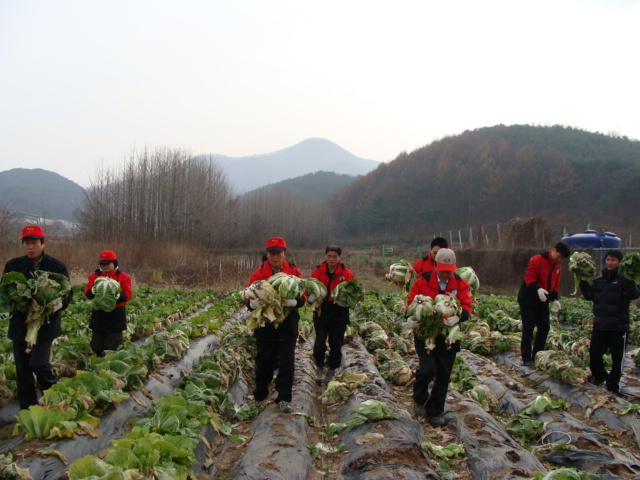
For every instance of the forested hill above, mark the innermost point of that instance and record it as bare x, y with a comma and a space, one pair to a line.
494, 174
318, 186
40, 192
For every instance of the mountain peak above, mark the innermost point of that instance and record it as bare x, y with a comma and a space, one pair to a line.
308, 156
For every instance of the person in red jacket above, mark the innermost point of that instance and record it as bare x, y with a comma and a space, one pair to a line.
540, 286
107, 327
331, 319
425, 264
437, 364
276, 344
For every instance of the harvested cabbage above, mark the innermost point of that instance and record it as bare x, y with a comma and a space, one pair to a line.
583, 268
348, 292
106, 291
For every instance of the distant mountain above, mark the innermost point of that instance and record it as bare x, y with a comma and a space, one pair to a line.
309, 156
318, 186
40, 192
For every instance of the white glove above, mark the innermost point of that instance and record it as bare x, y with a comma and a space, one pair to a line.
555, 306
341, 304
542, 294
254, 303
451, 321
311, 298
291, 302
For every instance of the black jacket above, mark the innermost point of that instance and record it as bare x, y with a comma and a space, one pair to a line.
611, 294
51, 329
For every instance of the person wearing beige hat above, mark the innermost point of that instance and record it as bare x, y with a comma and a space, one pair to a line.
107, 327
437, 363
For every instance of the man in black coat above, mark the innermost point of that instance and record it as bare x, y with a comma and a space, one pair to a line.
35, 361
611, 294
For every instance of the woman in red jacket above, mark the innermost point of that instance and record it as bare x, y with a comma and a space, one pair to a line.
332, 317
107, 327
540, 286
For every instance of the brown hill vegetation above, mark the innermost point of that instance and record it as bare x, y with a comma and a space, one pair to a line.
494, 174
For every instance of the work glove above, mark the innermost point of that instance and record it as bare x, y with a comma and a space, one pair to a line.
451, 321
542, 294
291, 302
341, 304
312, 298
254, 303
555, 306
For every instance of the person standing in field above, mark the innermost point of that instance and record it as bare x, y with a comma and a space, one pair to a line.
540, 287
611, 294
437, 364
425, 264
37, 361
332, 317
107, 327
276, 344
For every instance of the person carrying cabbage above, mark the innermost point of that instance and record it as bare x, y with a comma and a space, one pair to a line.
110, 289
436, 363
332, 316
34, 359
539, 288
425, 264
611, 294
276, 343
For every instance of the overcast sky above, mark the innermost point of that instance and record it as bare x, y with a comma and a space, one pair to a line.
83, 82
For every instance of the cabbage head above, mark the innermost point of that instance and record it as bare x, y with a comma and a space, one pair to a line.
106, 290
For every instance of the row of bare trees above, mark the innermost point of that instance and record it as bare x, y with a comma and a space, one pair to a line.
168, 195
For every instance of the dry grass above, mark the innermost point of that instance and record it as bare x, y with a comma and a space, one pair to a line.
185, 266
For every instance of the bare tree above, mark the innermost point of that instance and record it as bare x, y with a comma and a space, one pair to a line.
163, 195
5, 222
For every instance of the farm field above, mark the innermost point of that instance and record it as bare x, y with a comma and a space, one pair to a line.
175, 402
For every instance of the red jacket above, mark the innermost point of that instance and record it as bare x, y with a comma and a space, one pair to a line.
424, 265
122, 278
542, 272
115, 320
428, 285
265, 271
342, 274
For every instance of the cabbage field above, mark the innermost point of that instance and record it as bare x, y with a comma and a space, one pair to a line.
175, 401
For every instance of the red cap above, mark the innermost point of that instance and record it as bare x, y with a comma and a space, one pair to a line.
276, 243
446, 260
32, 231
108, 256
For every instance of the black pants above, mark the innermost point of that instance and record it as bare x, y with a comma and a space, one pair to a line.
270, 351
533, 319
335, 333
615, 343
435, 365
105, 341
27, 364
